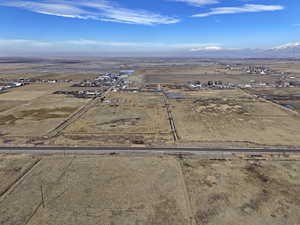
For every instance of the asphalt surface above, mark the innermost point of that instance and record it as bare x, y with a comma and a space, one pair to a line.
139, 151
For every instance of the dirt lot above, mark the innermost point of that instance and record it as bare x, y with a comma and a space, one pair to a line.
128, 118
150, 190
33, 110
218, 118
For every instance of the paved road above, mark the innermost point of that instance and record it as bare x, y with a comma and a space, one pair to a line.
139, 151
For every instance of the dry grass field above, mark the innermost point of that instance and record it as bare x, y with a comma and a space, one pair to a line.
33, 110
276, 91
124, 118
202, 117
13, 168
99, 190
102, 190
231, 116
291, 67
74, 77
289, 93
243, 192
181, 75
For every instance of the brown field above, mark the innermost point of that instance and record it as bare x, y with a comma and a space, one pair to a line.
8, 104
123, 117
182, 75
211, 118
102, 190
291, 67
288, 92
213, 94
276, 91
239, 118
73, 77
13, 168
243, 192
20, 95
33, 110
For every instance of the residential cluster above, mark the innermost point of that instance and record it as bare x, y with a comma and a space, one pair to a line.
210, 84
108, 79
114, 80
250, 84
262, 70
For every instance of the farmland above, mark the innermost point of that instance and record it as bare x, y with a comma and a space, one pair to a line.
162, 103
148, 190
146, 128
125, 118
33, 110
221, 117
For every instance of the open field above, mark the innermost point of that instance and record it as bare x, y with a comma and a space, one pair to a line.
291, 67
276, 91
124, 118
13, 168
56, 68
33, 110
235, 192
218, 117
135, 113
150, 190
103, 190
287, 97
181, 75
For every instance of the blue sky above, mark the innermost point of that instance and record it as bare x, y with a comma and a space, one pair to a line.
146, 26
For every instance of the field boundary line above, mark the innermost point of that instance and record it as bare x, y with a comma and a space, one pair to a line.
13, 186
185, 192
170, 118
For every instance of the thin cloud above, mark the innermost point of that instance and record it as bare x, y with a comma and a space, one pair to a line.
212, 48
198, 3
248, 8
93, 44
208, 48
101, 10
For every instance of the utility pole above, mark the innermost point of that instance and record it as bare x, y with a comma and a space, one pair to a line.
42, 195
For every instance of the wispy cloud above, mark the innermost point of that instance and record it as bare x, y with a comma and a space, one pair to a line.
213, 48
102, 10
198, 3
98, 45
208, 48
248, 8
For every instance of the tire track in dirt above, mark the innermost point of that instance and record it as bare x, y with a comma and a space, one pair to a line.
186, 195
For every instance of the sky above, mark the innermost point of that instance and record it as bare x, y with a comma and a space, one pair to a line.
96, 27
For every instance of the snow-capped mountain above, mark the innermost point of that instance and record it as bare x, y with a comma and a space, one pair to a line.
289, 50
286, 50
295, 45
